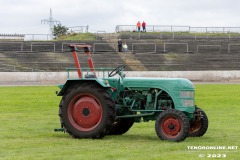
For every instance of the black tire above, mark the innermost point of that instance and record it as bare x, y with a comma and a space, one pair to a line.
199, 127
172, 125
86, 111
121, 126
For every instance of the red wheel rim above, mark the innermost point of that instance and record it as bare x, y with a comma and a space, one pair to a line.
195, 126
171, 127
85, 112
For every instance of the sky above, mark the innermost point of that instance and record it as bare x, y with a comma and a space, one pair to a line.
24, 16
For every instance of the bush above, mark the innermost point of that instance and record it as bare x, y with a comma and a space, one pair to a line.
59, 31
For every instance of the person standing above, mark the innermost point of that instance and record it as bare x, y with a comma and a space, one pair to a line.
119, 45
144, 26
139, 26
125, 47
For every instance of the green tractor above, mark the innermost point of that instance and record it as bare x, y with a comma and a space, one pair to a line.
93, 107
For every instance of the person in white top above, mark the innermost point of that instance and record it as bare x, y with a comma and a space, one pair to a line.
125, 47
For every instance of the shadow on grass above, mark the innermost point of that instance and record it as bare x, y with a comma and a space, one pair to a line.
133, 137
125, 137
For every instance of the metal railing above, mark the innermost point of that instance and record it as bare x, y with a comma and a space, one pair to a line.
232, 44
67, 46
152, 28
175, 28
15, 44
100, 72
215, 29
78, 29
206, 46
38, 37
142, 44
164, 46
180, 35
12, 36
113, 47
41, 44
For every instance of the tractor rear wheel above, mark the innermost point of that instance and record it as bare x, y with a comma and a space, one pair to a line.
199, 127
87, 111
121, 126
172, 125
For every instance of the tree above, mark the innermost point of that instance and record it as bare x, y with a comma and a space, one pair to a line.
59, 30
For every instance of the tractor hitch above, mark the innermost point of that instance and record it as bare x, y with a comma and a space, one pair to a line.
59, 130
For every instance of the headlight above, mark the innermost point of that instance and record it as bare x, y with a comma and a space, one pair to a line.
187, 102
186, 94
106, 82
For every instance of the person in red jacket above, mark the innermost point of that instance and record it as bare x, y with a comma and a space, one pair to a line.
138, 26
144, 26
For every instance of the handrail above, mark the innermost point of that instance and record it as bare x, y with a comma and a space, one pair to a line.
176, 28
12, 35
88, 70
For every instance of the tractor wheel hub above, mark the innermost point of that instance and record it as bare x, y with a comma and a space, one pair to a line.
85, 112
171, 126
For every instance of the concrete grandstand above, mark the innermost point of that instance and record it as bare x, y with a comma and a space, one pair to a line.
152, 52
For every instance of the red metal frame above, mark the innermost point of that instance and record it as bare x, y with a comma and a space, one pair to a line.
75, 57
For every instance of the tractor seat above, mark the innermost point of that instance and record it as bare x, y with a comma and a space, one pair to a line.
90, 76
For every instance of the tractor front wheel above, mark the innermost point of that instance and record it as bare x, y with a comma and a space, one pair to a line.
200, 125
172, 125
87, 111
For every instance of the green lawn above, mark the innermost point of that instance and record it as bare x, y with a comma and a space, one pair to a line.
79, 36
28, 116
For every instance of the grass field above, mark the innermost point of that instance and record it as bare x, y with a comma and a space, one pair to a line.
28, 116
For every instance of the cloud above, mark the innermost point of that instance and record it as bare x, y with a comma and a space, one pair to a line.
25, 16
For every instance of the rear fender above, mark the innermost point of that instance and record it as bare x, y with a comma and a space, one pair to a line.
69, 83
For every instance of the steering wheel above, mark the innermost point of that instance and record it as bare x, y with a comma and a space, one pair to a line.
116, 70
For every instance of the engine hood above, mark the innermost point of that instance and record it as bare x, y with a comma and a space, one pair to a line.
169, 84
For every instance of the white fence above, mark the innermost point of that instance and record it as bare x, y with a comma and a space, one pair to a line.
152, 46
174, 28
110, 47
29, 78
17, 46
219, 47
38, 37
12, 36
65, 46
232, 44
78, 29
164, 46
43, 45
113, 47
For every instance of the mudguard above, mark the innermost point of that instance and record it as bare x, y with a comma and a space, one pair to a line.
70, 82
